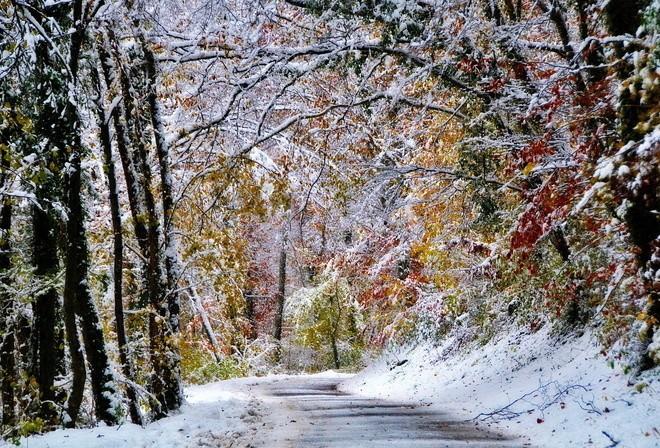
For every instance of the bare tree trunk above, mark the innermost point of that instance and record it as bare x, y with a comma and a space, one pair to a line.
250, 314
121, 116
23, 336
335, 329
165, 380
281, 288
164, 325
335, 351
47, 334
78, 370
163, 153
7, 305
76, 286
118, 248
173, 390
70, 309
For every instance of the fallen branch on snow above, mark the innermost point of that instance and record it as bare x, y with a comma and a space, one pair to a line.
509, 412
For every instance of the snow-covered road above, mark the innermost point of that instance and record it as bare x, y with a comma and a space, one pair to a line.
309, 411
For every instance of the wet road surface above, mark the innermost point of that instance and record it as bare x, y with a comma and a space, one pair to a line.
311, 413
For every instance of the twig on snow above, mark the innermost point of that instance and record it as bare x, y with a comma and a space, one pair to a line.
614, 442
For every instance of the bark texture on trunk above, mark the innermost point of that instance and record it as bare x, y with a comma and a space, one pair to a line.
8, 374
76, 286
173, 392
163, 153
77, 359
118, 251
47, 335
165, 383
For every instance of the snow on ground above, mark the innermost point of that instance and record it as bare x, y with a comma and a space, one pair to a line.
561, 394
585, 398
221, 415
216, 415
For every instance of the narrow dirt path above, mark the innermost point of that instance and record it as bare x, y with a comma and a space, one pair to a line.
309, 412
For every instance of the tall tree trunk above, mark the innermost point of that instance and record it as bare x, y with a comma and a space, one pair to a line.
118, 248
7, 312
121, 116
334, 303
163, 153
250, 314
335, 351
167, 301
77, 359
76, 285
48, 337
23, 355
643, 200
173, 390
70, 308
281, 289
643, 224
47, 334
166, 187
165, 380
